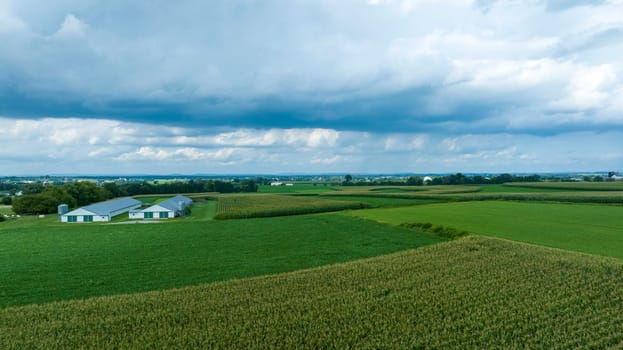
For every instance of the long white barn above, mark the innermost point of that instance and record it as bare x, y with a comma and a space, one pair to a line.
168, 209
101, 212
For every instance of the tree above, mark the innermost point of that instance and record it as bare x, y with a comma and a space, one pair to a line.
415, 181
248, 186
45, 202
33, 188
114, 191
86, 192
347, 180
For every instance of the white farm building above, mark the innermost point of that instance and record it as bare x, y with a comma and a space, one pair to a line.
172, 207
101, 212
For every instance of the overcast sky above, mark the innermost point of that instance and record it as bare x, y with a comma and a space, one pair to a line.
266, 86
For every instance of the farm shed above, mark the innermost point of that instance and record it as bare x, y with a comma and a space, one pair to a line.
168, 209
101, 212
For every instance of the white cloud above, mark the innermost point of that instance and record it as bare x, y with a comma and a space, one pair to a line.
328, 161
351, 84
8, 21
83, 146
72, 27
588, 87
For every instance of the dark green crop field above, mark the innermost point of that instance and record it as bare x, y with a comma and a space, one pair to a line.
472, 293
241, 206
572, 186
595, 229
302, 188
42, 263
380, 202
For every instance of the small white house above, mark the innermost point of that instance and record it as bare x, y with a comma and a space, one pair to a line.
172, 207
101, 212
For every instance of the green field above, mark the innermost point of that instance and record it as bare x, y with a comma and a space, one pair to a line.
6, 209
380, 202
303, 188
46, 263
264, 282
474, 293
509, 188
595, 229
242, 206
572, 186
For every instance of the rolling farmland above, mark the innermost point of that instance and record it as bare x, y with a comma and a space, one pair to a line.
47, 263
264, 282
595, 229
471, 293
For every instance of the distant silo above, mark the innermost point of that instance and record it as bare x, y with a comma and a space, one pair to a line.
63, 209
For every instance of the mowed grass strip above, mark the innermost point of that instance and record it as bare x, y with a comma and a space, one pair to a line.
473, 293
595, 229
42, 264
268, 205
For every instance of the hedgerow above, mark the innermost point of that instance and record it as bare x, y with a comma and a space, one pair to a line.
439, 230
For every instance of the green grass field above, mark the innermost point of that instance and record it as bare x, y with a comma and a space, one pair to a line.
46, 263
6, 209
473, 293
595, 229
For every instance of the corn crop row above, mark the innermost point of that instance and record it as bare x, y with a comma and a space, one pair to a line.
253, 206
471, 293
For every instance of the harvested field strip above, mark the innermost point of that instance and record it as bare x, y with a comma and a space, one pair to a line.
474, 292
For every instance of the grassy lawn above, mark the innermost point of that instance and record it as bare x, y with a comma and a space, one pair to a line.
595, 229
6, 209
473, 293
42, 263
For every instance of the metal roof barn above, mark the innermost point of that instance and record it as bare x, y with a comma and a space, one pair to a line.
101, 212
168, 209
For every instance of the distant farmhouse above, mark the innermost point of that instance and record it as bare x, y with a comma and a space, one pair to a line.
99, 212
168, 209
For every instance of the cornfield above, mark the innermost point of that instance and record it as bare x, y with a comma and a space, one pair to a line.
471, 293
266, 205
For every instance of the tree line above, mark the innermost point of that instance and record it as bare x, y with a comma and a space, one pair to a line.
452, 179
44, 199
